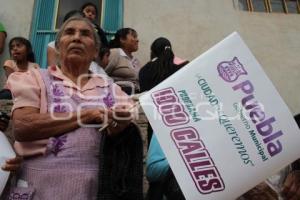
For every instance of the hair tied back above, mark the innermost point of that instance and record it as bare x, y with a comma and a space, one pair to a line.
167, 47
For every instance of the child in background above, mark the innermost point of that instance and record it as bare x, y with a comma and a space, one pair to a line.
90, 11
22, 56
22, 59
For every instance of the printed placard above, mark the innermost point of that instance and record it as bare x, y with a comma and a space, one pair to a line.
221, 123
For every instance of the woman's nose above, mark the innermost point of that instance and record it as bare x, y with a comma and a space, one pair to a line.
76, 35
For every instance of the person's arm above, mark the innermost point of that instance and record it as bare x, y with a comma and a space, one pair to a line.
2, 41
157, 164
29, 124
8, 71
9, 67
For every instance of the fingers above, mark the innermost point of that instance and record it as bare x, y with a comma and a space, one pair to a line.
116, 118
121, 114
116, 113
287, 184
102, 115
12, 164
293, 195
291, 188
297, 195
292, 191
16, 160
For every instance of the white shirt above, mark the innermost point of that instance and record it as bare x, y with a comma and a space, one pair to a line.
96, 69
135, 63
51, 44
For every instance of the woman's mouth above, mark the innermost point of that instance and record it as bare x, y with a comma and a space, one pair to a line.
16, 54
76, 49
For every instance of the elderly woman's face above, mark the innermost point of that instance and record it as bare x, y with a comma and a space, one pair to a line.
77, 42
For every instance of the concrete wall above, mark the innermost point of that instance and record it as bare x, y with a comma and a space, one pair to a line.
194, 26
16, 16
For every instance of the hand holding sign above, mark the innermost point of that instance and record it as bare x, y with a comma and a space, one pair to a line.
6, 152
12, 164
225, 128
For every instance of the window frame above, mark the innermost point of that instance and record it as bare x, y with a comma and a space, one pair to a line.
44, 20
55, 16
268, 6
251, 7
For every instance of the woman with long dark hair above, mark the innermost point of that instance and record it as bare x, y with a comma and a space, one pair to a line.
123, 67
162, 65
161, 179
22, 56
22, 60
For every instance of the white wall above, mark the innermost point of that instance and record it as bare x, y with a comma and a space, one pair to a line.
16, 16
193, 26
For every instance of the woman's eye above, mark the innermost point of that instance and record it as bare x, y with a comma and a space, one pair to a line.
69, 31
85, 33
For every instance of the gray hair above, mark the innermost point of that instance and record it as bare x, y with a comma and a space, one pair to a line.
78, 18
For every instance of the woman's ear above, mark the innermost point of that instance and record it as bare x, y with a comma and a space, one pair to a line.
122, 41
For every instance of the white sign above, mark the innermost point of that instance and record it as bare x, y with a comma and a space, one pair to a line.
6, 152
221, 123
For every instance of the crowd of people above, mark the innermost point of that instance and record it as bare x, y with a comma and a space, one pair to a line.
73, 124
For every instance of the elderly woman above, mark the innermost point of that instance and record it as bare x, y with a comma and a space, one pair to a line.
54, 117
